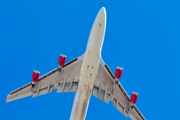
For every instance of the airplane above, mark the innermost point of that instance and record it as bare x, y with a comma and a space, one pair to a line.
86, 75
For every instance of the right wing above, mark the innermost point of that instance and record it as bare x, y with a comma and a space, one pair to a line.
106, 88
63, 79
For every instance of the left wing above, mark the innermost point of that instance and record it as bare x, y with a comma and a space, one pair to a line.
106, 88
63, 79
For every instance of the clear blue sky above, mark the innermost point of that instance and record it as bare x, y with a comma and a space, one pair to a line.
142, 36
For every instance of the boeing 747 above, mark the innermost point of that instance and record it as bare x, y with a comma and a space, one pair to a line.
86, 75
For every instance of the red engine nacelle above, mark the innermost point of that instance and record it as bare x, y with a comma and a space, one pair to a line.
35, 76
118, 72
134, 97
61, 61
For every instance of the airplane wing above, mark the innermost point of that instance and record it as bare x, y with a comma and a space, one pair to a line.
63, 79
105, 88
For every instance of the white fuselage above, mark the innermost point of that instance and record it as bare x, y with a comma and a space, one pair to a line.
89, 67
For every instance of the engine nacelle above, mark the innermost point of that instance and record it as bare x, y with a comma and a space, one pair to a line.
118, 72
35, 76
134, 97
61, 61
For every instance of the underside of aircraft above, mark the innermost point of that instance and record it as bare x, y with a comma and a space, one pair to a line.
86, 75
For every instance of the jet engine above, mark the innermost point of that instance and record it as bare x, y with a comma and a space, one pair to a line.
134, 97
118, 73
35, 77
61, 61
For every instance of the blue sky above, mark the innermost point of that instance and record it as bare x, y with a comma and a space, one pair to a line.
142, 36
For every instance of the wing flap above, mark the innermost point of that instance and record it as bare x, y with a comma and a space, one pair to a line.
120, 107
100, 91
120, 96
43, 90
101, 94
65, 86
104, 78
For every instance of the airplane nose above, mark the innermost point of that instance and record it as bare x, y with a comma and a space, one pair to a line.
102, 13
101, 17
103, 10
97, 33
